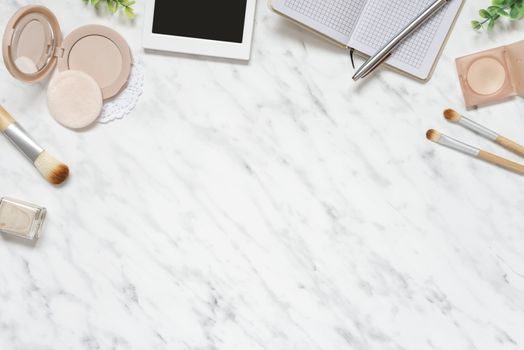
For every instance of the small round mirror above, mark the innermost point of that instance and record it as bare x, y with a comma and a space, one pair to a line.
32, 44
31, 39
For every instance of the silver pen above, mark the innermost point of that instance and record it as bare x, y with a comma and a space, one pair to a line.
376, 60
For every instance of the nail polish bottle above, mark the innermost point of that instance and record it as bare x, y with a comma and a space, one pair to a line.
21, 219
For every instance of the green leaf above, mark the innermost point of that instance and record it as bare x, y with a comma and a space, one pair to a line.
484, 14
514, 13
513, 9
114, 6
496, 10
476, 25
517, 11
130, 13
491, 25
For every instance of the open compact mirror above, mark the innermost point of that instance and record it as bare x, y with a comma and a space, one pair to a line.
29, 43
94, 57
32, 44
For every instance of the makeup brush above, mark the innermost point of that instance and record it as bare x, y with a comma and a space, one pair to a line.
450, 142
53, 170
455, 117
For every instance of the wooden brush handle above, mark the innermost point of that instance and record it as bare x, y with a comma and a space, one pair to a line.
503, 162
511, 145
5, 119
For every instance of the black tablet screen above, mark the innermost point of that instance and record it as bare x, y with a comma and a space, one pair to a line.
202, 19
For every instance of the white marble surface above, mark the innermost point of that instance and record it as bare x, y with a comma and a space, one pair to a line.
269, 205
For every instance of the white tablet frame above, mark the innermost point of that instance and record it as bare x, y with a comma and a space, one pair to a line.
196, 46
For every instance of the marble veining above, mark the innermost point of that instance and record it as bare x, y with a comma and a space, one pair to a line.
267, 205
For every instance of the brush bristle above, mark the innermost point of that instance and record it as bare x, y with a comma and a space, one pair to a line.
433, 135
452, 115
53, 170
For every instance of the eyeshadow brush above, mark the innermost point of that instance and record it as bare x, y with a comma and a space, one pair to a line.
455, 117
51, 169
452, 143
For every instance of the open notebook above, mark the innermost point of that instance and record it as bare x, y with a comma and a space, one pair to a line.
367, 25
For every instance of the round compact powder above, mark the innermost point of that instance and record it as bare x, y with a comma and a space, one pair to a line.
486, 76
97, 56
74, 99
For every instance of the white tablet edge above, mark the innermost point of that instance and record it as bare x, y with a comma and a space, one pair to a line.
240, 51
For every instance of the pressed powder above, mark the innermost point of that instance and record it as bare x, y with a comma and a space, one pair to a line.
486, 76
492, 75
101, 53
21, 219
97, 56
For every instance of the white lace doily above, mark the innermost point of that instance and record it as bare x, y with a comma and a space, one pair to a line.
125, 102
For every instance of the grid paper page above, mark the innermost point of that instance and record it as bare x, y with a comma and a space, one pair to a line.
381, 21
340, 15
333, 18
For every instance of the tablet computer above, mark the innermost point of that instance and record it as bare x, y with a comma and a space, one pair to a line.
204, 27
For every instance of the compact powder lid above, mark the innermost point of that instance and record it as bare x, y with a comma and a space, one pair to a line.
516, 66
29, 43
100, 52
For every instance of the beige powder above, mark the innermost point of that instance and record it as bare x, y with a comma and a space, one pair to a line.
97, 56
486, 76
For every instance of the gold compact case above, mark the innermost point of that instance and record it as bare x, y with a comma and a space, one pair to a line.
493, 75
